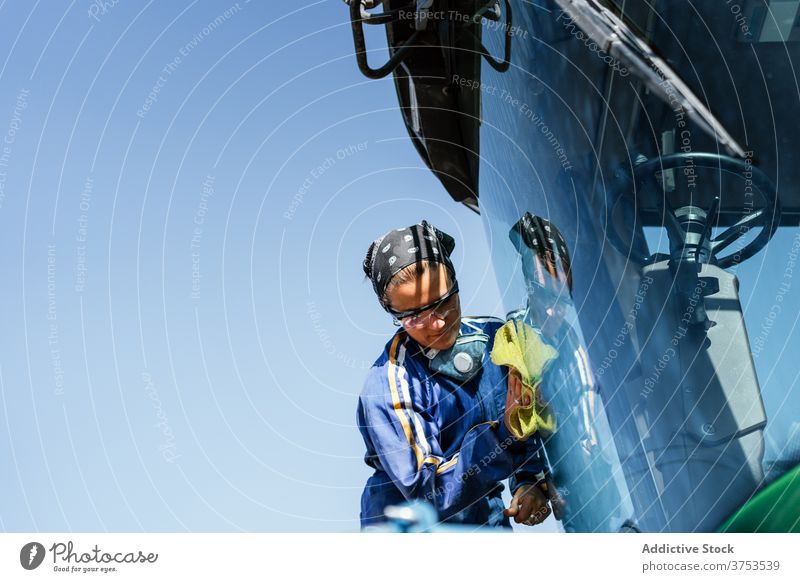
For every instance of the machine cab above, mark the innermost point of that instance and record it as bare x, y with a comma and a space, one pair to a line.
659, 140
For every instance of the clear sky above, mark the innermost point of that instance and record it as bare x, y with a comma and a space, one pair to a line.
187, 190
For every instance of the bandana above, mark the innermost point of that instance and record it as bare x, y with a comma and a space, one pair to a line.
402, 247
544, 251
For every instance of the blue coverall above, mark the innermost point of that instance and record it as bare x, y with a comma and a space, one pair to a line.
429, 437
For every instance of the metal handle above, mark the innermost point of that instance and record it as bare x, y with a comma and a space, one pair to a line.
502, 66
357, 19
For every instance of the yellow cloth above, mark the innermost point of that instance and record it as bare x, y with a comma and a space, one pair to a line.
519, 346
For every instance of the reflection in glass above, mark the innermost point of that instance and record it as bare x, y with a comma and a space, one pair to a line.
673, 382
585, 472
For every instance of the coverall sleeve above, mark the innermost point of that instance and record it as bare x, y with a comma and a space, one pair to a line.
530, 464
405, 436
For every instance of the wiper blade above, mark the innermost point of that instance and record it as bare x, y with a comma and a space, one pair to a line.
618, 40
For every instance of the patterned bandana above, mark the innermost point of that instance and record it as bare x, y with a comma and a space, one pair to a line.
544, 251
402, 247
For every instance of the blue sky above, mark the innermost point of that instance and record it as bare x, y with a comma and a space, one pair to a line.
188, 190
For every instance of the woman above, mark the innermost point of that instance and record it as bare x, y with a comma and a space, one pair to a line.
432, 408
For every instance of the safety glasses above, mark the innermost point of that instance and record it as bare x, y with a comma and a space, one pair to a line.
421, 316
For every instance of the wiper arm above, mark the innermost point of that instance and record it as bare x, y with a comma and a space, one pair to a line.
618, 40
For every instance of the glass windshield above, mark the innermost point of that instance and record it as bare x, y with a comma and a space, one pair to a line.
675, 388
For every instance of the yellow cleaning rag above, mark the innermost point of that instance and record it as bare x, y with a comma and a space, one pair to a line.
519, 346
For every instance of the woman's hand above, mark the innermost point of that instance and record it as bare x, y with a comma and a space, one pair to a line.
514, 396
528, 505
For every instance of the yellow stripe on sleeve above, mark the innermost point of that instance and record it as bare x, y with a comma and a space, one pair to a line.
445, 466
398, 406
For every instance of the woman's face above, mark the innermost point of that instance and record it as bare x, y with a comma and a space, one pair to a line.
438, 331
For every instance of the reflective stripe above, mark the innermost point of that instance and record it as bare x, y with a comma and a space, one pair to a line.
445, 466
406, 395
587, 421
581, 371
401, 402
397, 405
584, 358
432, 460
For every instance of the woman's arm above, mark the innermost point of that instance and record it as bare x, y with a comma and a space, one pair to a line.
405, 435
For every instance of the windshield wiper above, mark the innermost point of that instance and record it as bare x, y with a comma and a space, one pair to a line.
618, 40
